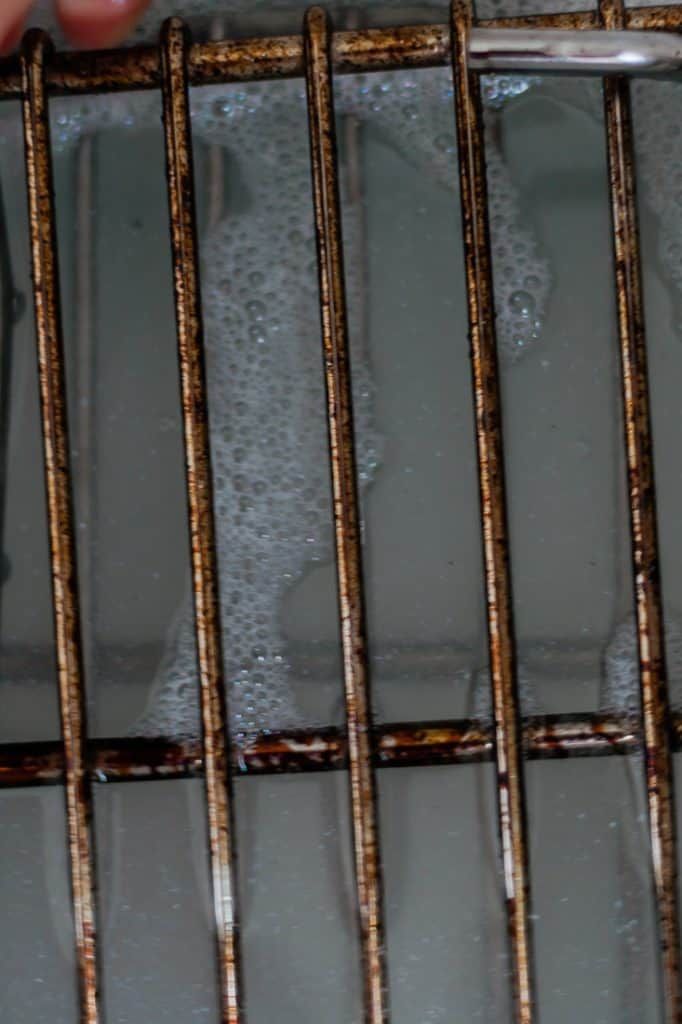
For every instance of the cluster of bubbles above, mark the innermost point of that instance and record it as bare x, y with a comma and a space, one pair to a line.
72, 120
268, 430
263, 354
497, 90
482, 709
620, 691
413, 112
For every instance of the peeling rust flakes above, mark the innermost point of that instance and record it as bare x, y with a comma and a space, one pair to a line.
666, 18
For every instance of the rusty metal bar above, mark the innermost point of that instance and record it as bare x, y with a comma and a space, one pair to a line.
35, 52
487, 405
369, 50
643, 522
311, 750
174, 49
334, 319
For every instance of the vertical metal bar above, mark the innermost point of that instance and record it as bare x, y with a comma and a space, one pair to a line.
174, 50
644, 532
510, 787
35, 52
346, 512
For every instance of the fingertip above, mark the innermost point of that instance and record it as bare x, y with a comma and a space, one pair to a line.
11, 38
12, 17
98, 23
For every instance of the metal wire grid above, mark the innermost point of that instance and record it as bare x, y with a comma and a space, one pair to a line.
76, 761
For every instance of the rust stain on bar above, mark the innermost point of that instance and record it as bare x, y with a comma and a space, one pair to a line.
369, 50
645, 555
312, 750
572, 735
346, 513
35, 51
487, 404
395, 745
174, 51
31, 764
668, 19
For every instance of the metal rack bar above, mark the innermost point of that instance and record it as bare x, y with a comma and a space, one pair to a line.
43, 236
643, 522
327, 208
215, 746
368, 50
488, 422
545, 737
585, 52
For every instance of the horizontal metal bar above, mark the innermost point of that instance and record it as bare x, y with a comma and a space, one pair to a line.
308, 750
571, 51
369, 50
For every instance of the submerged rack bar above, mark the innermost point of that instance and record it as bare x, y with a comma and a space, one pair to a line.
185, 251
545, 737
488, 422
643, 522
336, 361
46, 296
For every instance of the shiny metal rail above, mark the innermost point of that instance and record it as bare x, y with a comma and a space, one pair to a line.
570, 51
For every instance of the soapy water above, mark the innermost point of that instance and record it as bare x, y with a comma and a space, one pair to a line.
260, 287
268, 429
258, 265
266, 393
